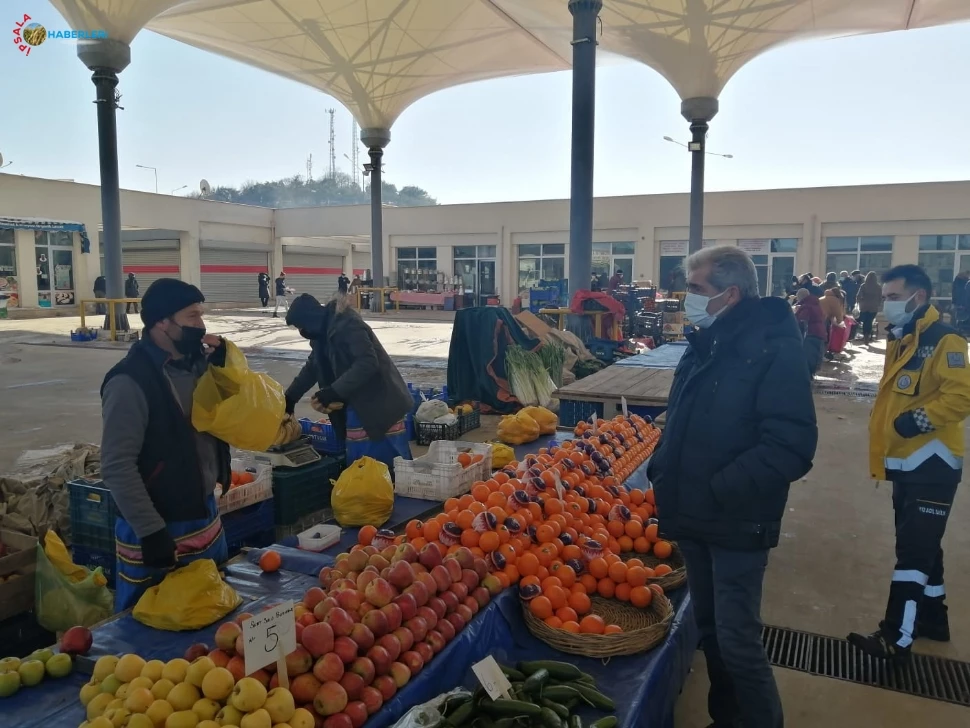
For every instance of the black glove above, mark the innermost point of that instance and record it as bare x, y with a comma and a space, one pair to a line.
158, 550
218, 357
326, 397
290, 406
907, 426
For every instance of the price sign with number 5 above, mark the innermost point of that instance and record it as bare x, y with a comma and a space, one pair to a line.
269, 636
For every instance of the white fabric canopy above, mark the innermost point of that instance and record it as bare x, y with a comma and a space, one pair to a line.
379, 56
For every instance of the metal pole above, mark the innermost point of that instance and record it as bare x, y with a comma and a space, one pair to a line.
585, 14
105, 82
698, 112
375, 140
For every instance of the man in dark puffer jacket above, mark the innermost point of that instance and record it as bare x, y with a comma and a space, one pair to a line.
740, 429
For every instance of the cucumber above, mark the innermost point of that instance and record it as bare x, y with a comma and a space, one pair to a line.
511, 708
561, 710
557, 670
483, 721
575, 722
561, 693
535, 681
594, 697
512, 674
550, 719
454, 702
607, 722
462, 715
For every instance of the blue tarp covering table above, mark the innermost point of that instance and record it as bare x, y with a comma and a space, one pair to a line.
663, 357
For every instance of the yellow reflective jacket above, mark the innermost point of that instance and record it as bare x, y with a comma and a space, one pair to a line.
925, 392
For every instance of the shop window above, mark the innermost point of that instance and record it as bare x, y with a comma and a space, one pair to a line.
866, 253
8, 268
543, 265
942, 257
610, 257
415, 262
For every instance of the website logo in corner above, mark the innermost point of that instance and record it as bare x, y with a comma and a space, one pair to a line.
29, 34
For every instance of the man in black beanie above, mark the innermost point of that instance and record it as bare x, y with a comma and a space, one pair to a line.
161, 472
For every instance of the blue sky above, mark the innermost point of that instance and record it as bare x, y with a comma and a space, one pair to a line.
874, 109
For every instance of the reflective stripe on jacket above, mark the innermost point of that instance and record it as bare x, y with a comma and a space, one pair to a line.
926, 378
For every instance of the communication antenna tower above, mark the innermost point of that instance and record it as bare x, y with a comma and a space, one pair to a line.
309, 168
332, 172
355, 154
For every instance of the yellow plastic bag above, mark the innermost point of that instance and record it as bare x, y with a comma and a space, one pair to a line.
237, 405
547, 420
517, 429
192, 597
66, 594
502, 455
363, 494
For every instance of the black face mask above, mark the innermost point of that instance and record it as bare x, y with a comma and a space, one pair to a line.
190, 345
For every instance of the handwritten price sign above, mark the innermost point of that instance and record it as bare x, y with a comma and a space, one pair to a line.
492, 678
269, 636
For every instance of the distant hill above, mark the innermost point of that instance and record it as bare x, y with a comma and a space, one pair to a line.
298, 192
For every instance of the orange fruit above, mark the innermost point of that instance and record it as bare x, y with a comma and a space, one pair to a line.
651, 533
636, 576
618, 572
554, 621
452, 504
663, 549
489, 541
464, 459
598, 568
432, 529
530, 580
634, 529
641, 596
592, 624
572, 551
512, 572
366, 535
662, 569
470, 538
557, 596
606, 588
481, 492
550, 581
270, 561
641, 545
571, 627
625, 543
541, 607
612, 629
566, 575
528, 564
464, 519
658, 591
589, 583
622, 592
414, 529
579, 603
615, 528
567, 614
503, 579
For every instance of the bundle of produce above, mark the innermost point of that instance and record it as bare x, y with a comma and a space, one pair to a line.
553, 356
530, 382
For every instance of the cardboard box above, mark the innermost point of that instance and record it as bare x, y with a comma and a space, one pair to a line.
674, 329
17, 592
674, 318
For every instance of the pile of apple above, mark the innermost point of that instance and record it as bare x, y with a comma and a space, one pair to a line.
377, 619
16, 673
129, 692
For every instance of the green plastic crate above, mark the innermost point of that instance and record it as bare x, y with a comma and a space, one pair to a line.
298, 492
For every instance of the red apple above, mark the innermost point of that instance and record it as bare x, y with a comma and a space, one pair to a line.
313, 597
414, 661
328, 668
480, 566
425, 650
436, 640
322, 609
346, 649
418, 627
407, 604
419, 591
220, 658
394, 616
449, 599
460, 590
318, 638
381, 659
405, 637
481, 596
464, 557
328, 575
341, 622
400, 575
439, 606
304, 688
364, 667
447, 629
405, 552
470, 603
338, 720
429, 556
226, 636
387, 686
456, 621
237, 667
242, 617
330, 698
357, 712
429, 615
262, 677
392, 644
442, 577
470, 578
299, 661
196, 651
454, 569
372, 698
349, 599
376, 621
380, 593
378, 561
400, 673
307, 618
363, 637
353, 684
78, 641
365, 578
465, 612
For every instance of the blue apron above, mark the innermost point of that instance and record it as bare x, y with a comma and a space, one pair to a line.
202, 538
394, 443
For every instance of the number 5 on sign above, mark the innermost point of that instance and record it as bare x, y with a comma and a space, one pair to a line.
269, 637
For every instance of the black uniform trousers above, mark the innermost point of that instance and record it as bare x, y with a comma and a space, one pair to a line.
916, 592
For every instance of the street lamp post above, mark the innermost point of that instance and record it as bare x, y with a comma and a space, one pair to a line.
142, 166
687, 147
177, 189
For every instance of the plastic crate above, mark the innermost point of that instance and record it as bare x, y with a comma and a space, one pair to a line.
604, 349
322, 436
250, 526
438, 475
93, 514
77, 335
428, 432
92, 558
298, 492
471, 421
303, 523
245, 495
572, 411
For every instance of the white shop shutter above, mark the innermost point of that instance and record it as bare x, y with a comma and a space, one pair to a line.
361, 263
150, 265
313, 274
232, 275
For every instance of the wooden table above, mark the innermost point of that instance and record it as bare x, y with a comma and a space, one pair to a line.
380, 292
640, 386
597, 317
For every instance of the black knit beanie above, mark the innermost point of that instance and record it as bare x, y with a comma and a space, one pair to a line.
165, 297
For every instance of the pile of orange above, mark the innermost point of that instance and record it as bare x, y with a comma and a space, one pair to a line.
566, 539
465, 458
241, 477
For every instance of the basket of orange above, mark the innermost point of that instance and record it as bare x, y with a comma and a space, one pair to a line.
663, 561
615, 614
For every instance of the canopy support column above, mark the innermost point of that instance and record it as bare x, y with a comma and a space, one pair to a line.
106, 58
698, 111
375, 140
585, 15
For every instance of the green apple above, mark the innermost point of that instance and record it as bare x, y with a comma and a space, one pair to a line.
59, 665
31, 672
43, 655
9, 683
9, 664
110, 684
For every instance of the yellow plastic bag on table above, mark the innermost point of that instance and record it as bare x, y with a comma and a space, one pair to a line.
547, 420
237, 405
192, 597
502, 455
517, 429
363, 494
65, 594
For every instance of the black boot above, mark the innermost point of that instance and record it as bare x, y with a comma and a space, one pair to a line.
932, 623
878, 645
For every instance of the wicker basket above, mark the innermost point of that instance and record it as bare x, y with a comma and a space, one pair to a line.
675, 579
643, 629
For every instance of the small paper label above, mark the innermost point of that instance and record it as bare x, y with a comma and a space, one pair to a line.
623, 406
492, 678
265, 634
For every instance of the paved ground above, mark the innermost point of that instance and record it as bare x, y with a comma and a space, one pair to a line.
829, 574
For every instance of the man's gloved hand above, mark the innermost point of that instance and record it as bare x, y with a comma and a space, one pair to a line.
215, 349
158, 550
324, 399
290, 406
912, 423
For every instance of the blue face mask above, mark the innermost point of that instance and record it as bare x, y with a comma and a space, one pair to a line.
896, 313
695, 306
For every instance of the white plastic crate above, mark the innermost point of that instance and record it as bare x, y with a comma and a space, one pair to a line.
245, 495
438, 475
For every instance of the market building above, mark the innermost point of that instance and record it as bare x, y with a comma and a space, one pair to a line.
50, 251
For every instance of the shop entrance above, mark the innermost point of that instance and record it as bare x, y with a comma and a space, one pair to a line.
475, 265
54, 258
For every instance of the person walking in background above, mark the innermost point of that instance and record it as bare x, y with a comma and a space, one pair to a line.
851, 288
831, 281
916, 443
343, 284
263, 281
131, 291
100, 291
615, 282
281, 294
832, 304
869, 299
960, 299
811, 320
722, 488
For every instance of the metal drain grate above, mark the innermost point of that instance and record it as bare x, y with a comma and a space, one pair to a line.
924, 676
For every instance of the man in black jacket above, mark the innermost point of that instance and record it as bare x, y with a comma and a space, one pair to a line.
740, 429
263, 281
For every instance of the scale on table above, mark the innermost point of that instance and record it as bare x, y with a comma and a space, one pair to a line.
292, 455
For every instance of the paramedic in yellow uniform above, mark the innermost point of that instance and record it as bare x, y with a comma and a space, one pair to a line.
916, 442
